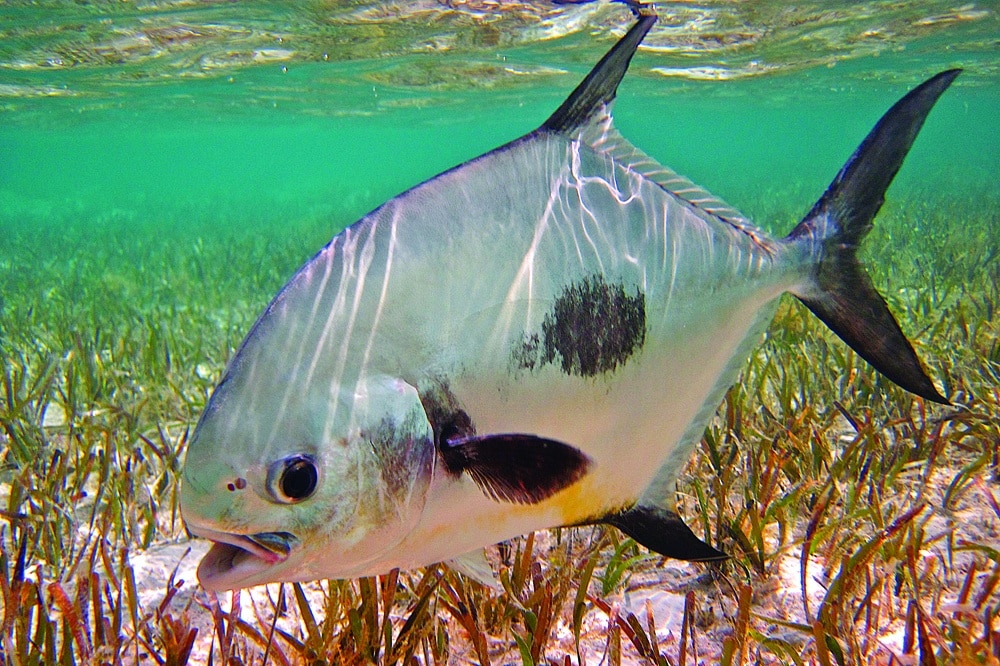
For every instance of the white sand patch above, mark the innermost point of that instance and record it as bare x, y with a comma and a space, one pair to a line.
154, 567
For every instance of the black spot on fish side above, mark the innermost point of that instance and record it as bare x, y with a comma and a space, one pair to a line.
593, 328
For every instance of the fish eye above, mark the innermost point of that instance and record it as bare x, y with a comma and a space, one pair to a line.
293, 479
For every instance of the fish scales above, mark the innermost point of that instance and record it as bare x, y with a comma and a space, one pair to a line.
411, 305
535, 338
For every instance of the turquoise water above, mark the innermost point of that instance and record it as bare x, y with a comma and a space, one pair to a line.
284, 122
134, 120
166, 165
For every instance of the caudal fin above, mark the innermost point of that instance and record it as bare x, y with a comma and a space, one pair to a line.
843, 295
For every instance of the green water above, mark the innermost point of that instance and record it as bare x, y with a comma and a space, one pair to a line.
270, 126
166, 165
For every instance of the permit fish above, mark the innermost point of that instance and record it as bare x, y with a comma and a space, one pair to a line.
535, 338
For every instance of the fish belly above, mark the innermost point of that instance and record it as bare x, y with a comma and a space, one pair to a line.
630, 425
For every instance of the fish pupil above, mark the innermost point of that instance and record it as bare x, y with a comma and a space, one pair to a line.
299, 479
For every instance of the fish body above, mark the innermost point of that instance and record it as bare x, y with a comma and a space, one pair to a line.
535, 338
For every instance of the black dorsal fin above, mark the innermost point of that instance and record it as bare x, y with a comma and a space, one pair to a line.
596, 92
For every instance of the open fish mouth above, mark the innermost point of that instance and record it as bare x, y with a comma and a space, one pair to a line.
240, 560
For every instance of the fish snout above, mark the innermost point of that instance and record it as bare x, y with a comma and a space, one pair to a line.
241, 560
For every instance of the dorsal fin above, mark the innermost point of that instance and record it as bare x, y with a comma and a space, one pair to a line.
604, 138
592, 97
586, 114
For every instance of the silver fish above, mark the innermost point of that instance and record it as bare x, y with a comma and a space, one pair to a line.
535, 338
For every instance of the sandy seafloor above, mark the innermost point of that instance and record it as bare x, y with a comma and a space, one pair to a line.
656, 586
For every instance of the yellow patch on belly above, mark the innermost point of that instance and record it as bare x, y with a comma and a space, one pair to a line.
587, 500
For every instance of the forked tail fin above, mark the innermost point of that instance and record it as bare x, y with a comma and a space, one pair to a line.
842, 294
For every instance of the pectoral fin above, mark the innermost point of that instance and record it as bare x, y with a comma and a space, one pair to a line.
522, 469
663, 531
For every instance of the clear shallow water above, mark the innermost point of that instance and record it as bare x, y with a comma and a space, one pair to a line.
165, 166
193, 119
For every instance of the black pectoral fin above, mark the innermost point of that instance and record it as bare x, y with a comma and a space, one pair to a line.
522, 469
663, 531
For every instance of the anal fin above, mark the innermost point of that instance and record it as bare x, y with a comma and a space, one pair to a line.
662, 531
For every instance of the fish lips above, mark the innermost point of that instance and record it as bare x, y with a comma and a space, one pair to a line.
241, 560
